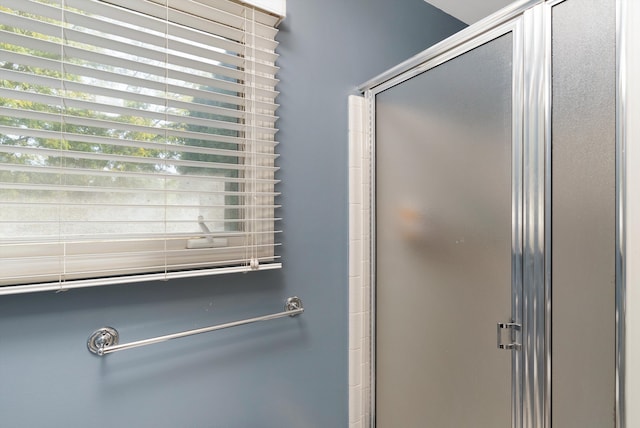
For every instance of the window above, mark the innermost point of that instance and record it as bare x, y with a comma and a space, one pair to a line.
136, 141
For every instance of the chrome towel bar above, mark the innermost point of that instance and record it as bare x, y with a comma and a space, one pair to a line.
105, 340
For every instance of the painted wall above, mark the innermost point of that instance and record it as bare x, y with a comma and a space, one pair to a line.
285, 373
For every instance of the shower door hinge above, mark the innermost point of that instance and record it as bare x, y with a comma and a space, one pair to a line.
513, 329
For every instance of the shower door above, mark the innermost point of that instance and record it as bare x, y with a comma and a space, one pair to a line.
447, 243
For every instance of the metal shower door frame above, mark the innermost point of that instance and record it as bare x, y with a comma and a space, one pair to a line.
529, 22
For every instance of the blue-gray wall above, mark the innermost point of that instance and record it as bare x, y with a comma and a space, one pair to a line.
286, 373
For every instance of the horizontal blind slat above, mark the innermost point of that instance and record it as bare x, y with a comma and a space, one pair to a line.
160, 99
106, 124
105, 141
265, 101
228, 38
75, 54
9, 246
212, 11
56, 101
117, 174
142, 207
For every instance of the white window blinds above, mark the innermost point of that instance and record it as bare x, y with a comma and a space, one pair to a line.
136, 141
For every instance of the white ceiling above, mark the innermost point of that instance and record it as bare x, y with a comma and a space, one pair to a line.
470, 11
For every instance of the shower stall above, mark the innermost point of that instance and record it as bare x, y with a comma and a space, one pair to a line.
496, 217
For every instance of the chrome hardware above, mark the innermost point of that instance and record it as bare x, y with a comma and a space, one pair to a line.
513, 329
101, 339
105, 340
293, 304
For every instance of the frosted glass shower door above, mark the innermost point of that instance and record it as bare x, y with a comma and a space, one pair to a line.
443, 232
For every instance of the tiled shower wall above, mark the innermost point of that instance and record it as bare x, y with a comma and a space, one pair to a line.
359, 265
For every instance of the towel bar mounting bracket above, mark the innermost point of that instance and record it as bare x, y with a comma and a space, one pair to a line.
292, 304
101, 338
